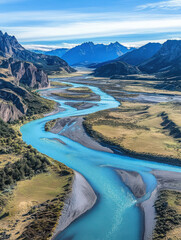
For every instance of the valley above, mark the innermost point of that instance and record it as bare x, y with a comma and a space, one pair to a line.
99, 145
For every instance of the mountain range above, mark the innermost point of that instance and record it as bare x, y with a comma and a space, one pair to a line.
164, 61
88, 53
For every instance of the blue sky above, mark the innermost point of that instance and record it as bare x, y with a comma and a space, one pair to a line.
65, 23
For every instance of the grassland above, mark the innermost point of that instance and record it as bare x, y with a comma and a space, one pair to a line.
71, 96
80, 90
59, 84
140, 129
168, 220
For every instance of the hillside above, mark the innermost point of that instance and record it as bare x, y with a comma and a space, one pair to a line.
116, 69
89, 52
138, 56
166, 62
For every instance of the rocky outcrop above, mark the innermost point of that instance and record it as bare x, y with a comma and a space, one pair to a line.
17, 89
9, 112
10, 96
10, 47
116, 69
25, 73
12, 106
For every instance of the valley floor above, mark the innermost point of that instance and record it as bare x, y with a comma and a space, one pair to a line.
145, 125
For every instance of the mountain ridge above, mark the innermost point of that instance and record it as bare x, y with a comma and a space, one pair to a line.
166, 62
88, 53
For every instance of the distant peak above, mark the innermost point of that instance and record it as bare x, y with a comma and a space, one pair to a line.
88, 43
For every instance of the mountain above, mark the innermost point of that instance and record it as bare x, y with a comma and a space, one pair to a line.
166, 62
116, 69
10, 47
140, 55
89, 52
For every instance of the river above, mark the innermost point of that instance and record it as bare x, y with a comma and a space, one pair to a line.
116, 215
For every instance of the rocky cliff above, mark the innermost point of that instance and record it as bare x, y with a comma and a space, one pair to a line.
24, 73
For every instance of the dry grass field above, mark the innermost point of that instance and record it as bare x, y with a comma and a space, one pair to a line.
151, 129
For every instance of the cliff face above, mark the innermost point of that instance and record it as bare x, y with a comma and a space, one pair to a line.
27, 74
11, 101
24, 73
9, 112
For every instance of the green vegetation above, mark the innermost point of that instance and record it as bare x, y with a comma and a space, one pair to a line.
6, 131
168, 220
38, 105
30, 164
49, 125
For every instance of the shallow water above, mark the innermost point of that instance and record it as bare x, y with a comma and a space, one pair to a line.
116, 215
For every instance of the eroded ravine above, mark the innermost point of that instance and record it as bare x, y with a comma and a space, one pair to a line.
116, 214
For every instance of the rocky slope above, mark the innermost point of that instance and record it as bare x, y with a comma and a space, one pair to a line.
138, 56
88, 53
116, 69
12, 106
166, 62
24, 73
10, 47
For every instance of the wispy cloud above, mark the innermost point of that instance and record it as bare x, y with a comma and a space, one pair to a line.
170, 4
48, 47
78, 30
34, 26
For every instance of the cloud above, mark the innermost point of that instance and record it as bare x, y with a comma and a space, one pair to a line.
48, 47
170, 4
79, 30
34, 26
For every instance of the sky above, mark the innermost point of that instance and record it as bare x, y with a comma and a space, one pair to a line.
50, 24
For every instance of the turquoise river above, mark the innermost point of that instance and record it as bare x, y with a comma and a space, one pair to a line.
116, 215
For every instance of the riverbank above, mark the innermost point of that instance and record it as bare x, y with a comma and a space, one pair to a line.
81, 199
165, 181
72, 127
